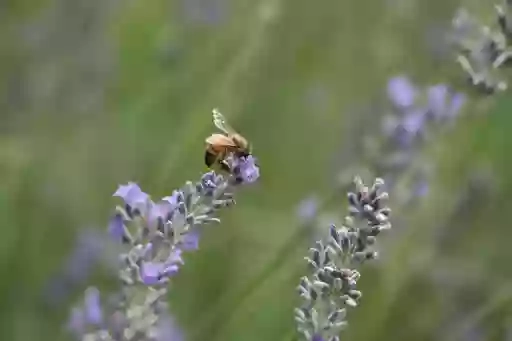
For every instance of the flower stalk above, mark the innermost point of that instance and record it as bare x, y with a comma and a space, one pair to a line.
332, 285
153, 236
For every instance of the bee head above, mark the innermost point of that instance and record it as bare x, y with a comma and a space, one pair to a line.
241, 143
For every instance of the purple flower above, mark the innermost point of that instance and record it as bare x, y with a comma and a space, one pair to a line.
89, 314
410, 127
148, 251
317, 337
161, 211
190, 241
458, 101
132, 195
208, 183
442, 104
116, 228
246, 170
316, 320
152, 273
413, 121
92, 306
173, 199
401, 92
437, 95
155, 254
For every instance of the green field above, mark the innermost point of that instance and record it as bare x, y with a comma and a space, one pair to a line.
94, 93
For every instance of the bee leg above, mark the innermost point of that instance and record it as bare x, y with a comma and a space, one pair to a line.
225, 166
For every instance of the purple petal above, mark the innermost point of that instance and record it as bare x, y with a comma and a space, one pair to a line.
458, 101
116, 228
175, 257
93, 312
208, 182
148, 251
246, 169
131, 194
152, 273
437, 96
401, 92
317, 337
190, 241
410, 126
413, 121
173, 199
169, 271
160, 211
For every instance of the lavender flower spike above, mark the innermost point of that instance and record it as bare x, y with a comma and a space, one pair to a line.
482, 50
332, 286
153, 236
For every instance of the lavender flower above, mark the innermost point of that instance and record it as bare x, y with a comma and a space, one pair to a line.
481, 49
132, 195
332, 285
401, 92
90, 314
398, 155
154, 236
416, 115
245, 169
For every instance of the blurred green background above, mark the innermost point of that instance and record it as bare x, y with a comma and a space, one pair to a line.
94, 93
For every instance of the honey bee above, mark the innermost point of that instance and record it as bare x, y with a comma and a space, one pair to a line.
220, 146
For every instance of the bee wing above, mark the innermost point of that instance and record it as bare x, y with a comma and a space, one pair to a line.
220, 122
219, 139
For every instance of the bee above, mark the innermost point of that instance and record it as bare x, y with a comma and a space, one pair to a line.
221, 146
